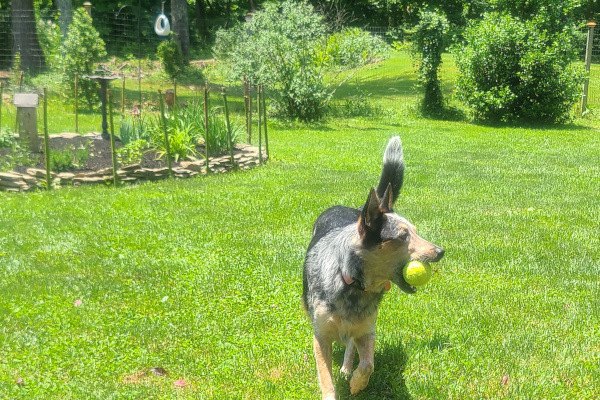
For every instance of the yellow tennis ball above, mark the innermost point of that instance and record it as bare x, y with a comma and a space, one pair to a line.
417, 273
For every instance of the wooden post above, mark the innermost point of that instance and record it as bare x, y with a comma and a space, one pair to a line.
174, 92
88, 7
588, 62
1, 90
21, 81
27, 125
206, 124
250, 113
264, 108
112, 139
164, 124
229, 144
246, 108
47, 143
76, 104
258, 109
123, 98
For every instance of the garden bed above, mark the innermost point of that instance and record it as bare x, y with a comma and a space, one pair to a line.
29, 173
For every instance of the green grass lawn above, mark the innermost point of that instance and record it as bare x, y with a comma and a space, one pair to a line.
203, 277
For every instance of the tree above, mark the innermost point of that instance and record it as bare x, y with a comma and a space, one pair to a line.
65, 17
179, 14
26, 42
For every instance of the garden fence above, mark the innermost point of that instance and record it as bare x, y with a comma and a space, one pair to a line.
135, 43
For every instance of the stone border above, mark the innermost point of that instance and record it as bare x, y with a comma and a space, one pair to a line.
245, 156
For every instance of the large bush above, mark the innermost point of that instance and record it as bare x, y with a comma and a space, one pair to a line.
428, 37
285, 47
82, 49
514, 70
279, 48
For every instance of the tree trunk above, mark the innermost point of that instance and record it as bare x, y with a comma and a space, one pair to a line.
66, 16
25, 40
179, 14
201, 22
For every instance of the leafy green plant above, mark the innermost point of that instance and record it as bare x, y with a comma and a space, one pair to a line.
428, 37
512, 70
19, 155
133, 129
217, 139
183, 137
6, 137
279, 48
69, 158
49, 36
354, 47
171, 58
132, 152
82, 49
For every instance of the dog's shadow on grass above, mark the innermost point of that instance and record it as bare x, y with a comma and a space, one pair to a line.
387, 381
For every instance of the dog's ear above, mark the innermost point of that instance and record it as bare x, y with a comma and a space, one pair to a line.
371, 213
387, 201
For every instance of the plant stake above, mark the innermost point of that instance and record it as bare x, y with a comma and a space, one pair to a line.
206, 133
260, 160
112, 139
164, 124
229, 144
76, 104
264, 108
47, 143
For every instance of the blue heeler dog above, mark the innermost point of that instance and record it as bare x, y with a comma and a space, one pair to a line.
353, 256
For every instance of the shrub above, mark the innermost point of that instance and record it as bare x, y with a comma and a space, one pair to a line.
171, 58
512, 70
428, 37
49, 36
82, 49
353, 47
279, 48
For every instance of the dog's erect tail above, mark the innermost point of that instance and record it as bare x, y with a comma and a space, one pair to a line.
393, 169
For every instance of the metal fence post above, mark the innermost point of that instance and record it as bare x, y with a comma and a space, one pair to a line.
588, 62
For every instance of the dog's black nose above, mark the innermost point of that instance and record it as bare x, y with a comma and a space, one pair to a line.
439, 253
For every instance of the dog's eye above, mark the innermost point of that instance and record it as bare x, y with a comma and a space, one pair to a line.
403, 235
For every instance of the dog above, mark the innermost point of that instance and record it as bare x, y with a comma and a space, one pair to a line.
353, 256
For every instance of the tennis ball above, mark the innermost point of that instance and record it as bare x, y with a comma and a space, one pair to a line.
417, 273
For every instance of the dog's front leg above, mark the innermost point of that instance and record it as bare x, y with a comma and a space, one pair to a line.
361, 375
348, 358
323, 355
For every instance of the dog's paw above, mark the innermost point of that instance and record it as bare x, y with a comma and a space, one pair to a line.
360, 378
346, 372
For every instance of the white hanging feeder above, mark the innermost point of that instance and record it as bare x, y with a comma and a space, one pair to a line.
162, 26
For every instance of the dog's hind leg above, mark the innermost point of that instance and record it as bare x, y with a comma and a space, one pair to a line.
348, 358
323, 355
361, 375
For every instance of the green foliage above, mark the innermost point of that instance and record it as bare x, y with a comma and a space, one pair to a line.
353, 47
217, 140
279, 48
132, 152
186, 129
171, 58
6, 138
133, 129
49, 36
511, 70
82, 49
69, 158
428, 37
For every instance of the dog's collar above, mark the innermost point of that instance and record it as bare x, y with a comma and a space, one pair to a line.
351, 281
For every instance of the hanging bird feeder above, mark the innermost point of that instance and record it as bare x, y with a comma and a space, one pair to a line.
162, 26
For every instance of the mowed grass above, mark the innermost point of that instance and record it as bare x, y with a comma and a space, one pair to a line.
203, 277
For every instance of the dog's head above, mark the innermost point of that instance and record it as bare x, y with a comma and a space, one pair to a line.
389, 241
